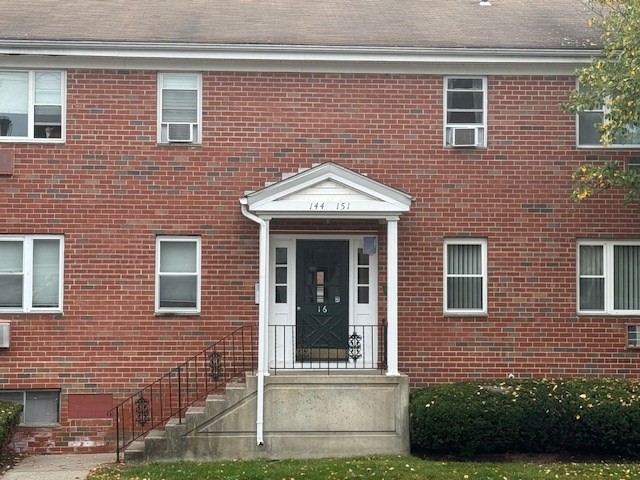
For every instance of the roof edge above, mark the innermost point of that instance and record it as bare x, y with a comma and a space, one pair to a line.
288, 52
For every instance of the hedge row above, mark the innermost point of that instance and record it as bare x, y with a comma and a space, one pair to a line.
9, 419
599, 416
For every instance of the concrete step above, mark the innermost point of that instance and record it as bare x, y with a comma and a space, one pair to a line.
155, 441
194, 416
235, 392
251, 381
168, 443
216, 404
135, 453
175, 429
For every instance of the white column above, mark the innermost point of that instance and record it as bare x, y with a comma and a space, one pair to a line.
392, 296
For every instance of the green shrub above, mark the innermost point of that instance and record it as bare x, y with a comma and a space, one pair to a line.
526, 416
9, 419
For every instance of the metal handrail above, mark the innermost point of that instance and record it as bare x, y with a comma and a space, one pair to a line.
188, 383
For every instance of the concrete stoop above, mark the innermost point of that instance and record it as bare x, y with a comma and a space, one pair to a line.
306, 415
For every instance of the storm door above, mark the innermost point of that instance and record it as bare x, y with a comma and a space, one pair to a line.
322, 300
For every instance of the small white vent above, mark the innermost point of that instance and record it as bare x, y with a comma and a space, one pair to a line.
464, 137
5, 331
180, 132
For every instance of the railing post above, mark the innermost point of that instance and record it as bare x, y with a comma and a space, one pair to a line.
133, 417
384, 345
161, 399
117, 435
179, 395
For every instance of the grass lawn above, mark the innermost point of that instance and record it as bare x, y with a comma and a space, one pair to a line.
369, 467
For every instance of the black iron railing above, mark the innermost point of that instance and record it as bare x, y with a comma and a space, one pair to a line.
174, 392
310, 348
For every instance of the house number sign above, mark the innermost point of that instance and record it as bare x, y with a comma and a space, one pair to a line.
339, 206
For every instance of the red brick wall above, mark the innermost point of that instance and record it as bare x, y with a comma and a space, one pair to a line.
110, 189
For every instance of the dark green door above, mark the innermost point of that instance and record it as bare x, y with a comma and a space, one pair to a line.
322, 295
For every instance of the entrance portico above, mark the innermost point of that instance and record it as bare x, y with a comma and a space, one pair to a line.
328, 191
294, 293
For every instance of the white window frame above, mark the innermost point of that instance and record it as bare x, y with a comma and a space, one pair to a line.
602, 111
162, 125
26, 405
482, 242
198, 273
481, 128
30, 137
608, 247
27, 273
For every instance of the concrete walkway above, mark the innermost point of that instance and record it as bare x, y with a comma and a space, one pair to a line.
73, 466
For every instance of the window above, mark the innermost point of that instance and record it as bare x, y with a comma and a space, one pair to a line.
633, 336
178, 274
363, 277
609, 277
465, 112
281, 275
589, 133
32, 105
31, 273
465, 276
179, 112
39, 407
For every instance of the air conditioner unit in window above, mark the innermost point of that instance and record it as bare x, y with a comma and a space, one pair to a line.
464, 136
180, 132
5, 331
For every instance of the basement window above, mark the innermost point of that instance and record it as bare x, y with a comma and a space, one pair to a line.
633, 336
40, 407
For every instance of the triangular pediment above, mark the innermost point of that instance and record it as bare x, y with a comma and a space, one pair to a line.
328, 191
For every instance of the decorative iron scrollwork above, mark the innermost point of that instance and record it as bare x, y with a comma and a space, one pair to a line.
355, 346
303, 353
142, 411
215, 366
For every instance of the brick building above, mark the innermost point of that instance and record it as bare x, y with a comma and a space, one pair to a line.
376, 195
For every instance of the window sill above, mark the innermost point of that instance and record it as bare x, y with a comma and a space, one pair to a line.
30, 312
179, 144
54, 141
463, 149
608, 147
177, 314
39, 425
608, 314
466, 314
